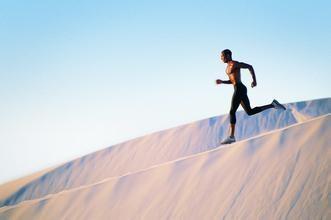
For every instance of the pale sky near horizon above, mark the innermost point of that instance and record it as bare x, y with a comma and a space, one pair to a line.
79, 76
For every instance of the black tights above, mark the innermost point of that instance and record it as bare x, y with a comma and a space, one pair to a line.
240, 97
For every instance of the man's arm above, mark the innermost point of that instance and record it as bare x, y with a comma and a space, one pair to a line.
250, 68
219, 81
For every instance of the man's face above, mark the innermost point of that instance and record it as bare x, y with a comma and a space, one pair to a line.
223, 58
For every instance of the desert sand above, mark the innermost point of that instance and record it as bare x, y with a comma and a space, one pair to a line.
279, 169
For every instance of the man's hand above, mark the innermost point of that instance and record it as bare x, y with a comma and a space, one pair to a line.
218, 81
253, 84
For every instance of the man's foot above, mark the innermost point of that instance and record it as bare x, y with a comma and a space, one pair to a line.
228, 140
277, 105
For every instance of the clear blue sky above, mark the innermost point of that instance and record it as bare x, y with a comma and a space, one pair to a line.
78, 76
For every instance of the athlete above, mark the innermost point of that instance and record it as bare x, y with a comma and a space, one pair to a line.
240, 92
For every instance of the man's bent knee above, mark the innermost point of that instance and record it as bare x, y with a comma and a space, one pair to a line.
249, 113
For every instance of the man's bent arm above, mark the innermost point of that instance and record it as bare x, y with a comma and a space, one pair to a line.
249, 67
219, 81
226, 82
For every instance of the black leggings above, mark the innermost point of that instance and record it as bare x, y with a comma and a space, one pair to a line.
240, 97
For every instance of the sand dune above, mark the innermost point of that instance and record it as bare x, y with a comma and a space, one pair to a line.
160, 147
280, 175
279, 166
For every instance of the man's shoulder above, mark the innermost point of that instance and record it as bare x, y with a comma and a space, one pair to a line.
235, 63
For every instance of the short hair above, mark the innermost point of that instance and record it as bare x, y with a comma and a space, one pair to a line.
227, 52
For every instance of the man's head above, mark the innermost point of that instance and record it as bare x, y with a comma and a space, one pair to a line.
226, 55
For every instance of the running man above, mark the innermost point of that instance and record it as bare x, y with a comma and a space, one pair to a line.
240, 92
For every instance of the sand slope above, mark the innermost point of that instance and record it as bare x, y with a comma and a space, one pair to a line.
157, 148
283, 174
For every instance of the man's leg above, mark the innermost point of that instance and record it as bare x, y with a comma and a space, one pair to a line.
232, 129
247, 107
234, 106
235, 102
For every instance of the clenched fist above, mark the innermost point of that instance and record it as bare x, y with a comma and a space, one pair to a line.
218, 81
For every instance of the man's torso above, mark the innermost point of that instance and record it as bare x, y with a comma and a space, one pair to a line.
233, 72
